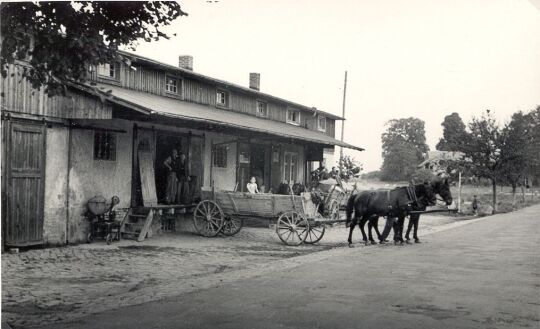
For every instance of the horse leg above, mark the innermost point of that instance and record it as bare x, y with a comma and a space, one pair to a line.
376, 227
415, 232
370, 226
353, 224
361, 224
412, 219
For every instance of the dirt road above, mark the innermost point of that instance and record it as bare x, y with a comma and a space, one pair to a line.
482, 275
58, 284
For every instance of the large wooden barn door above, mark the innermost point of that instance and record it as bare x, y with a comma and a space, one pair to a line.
145, 163
25, 184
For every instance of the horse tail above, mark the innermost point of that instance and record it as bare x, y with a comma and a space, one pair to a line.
350, 207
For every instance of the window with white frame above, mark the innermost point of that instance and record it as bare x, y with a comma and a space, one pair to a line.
321, 123
222, 98
171, 85
262, 109
107, 70
293, 117
290, 167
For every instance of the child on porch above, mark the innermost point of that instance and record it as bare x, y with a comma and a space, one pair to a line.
252, 185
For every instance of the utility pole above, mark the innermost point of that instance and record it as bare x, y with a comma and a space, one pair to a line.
343, 121
459, 193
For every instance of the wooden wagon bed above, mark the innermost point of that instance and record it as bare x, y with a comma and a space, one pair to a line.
258, 205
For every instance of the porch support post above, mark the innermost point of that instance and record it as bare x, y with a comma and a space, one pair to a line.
68, 194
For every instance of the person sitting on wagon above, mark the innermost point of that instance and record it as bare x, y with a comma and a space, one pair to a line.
252, 185
334, 173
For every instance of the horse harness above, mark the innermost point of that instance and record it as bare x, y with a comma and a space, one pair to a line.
411, 194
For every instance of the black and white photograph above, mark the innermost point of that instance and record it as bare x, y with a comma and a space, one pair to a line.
240, 164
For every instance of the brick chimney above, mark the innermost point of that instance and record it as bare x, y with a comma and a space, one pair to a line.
255, 81
185, 62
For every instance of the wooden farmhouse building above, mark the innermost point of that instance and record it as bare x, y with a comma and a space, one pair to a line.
111, 136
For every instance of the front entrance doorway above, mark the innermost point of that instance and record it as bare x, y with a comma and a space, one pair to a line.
165, 144
253, 161
150, 175
260, 166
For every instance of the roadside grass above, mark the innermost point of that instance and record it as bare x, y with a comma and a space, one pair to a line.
504, 197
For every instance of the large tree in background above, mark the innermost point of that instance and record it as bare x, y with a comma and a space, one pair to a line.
484, 151
61, 39
454, 134
516, 151
404, 146
533, 168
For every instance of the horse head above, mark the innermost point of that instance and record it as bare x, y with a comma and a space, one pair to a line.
442, 188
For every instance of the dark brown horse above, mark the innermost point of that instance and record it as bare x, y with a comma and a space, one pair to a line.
396, 203
440, 187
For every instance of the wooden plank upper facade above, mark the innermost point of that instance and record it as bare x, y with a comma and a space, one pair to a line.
183, 84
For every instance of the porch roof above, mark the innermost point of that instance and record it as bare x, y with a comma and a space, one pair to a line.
152, 104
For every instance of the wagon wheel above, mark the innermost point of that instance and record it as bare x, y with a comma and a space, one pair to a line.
333, 211
292, 228
232, 225
315, 233
208, 218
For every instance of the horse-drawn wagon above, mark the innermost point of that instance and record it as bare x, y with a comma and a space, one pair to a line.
298, 218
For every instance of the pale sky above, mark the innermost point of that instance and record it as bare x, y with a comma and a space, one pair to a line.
420, 58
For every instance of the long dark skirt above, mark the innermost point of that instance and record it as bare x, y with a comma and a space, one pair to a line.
182, 196
171, 193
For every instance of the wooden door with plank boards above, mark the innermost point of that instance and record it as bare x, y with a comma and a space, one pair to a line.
25, 186
145, 162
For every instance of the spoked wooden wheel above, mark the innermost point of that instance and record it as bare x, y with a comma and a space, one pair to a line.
232, 225
292, 228
208, 218
315, 233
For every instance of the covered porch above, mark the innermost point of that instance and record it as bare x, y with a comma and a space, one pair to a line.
230, 147
223, 150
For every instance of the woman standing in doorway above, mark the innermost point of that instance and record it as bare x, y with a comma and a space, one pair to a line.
172, 163
182, 196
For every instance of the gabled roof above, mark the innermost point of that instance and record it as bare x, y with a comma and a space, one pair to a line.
151, 104
435, 156
223, 83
